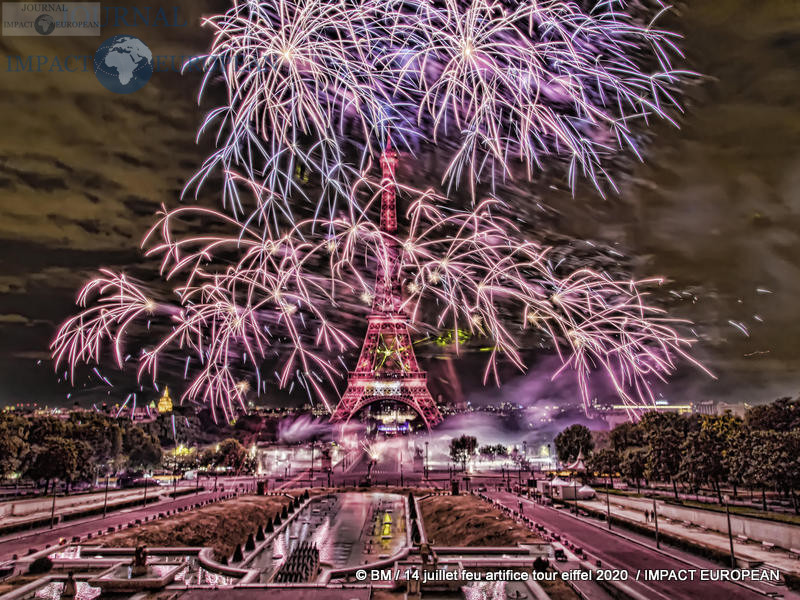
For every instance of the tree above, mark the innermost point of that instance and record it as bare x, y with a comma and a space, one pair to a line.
493, 450
760, 472
231, 454
704, 449
695, 467
56, 458
13, 444
103, 436
786, 464
605, 462
664, 434
626, 435
181, 458
207, 457
43, 427
173, 429
486, 451
462, 448
142, 449
781, 415
573, 440
737, 457
632, 464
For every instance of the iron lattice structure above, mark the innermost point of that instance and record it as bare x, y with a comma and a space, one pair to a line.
387, 367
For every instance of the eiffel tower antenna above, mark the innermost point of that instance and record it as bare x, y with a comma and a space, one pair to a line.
387, 368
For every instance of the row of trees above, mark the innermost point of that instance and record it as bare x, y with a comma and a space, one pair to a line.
80, 448
761, 451
229, 454
463, 448
90, 445
493, 451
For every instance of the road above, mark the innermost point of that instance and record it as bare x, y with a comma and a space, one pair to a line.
618, 552
20, 543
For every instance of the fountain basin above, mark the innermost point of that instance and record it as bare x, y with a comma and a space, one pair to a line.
118, 579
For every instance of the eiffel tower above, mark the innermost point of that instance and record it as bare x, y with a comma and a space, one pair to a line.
387, 368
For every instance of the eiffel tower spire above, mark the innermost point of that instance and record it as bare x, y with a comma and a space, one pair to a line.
388, 296
387, 367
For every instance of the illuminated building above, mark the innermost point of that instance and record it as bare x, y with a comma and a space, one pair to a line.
165, 402
387, 369
616, 414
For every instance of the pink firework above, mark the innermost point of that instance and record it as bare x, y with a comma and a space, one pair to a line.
282, 295
505, 83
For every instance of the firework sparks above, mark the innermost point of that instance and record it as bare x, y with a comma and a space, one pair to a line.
281, 295
507, 83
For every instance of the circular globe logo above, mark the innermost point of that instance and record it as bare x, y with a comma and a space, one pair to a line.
44, 24
123, 64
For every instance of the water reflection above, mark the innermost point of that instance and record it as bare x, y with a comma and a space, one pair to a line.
54, 589
348, 529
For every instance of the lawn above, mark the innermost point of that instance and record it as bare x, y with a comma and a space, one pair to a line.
220, 526
469, 521
745, 511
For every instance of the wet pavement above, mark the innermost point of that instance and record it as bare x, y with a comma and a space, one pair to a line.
348, 529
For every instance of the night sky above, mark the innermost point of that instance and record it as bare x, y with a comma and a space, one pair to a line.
715, 208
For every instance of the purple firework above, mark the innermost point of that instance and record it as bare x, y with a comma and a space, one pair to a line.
506, 82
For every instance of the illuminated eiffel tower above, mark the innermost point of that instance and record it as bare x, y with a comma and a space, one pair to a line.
387, 368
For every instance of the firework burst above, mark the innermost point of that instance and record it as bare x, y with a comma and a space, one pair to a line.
244, 300
311, 84
506, 83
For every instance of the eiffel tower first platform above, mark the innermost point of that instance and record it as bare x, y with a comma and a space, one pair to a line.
387, 368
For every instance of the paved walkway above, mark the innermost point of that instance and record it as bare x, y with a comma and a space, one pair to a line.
785, 561
39, 539
82, 504
620, 549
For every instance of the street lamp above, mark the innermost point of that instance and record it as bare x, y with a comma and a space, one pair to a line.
105, 498
575, 492
197, 469
53, 509
727, 498
655, 520
608, 502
